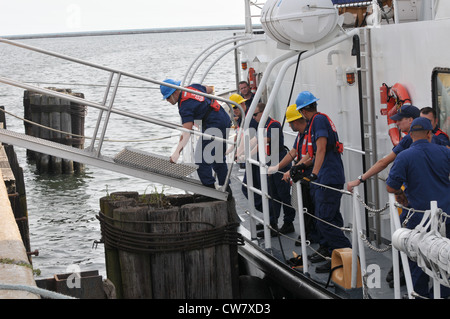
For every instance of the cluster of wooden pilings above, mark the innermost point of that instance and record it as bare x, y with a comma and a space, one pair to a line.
174, 246
67, 121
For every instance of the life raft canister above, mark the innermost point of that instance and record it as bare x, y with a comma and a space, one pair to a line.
394, 97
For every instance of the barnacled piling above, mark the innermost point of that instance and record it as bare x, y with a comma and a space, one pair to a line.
66, 122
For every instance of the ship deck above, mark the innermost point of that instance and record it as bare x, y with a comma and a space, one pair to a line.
283, 247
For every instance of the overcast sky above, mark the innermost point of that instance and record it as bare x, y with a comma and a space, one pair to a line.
18, 17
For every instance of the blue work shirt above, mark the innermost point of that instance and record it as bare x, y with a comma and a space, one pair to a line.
191, 110
424, 168
332, 170
443, 138
406, 142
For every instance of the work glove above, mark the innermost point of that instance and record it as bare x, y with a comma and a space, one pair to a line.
310, 178
296, 172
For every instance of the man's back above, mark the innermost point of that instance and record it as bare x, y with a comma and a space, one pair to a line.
425, 169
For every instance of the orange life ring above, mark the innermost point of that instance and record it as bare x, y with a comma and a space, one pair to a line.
394, 97
252, 79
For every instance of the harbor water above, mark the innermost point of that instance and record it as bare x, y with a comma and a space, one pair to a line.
62, 208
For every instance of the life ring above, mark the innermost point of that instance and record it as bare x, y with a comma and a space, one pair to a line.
252, 79
394, 97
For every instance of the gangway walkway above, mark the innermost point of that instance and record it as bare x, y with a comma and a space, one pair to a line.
130, 162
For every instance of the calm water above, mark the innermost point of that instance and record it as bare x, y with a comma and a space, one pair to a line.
62, 209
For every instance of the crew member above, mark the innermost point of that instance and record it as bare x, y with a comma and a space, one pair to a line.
246, 92
213, 119
321, 144
404, 119
424, 169
298, 124
430, 114
278, 190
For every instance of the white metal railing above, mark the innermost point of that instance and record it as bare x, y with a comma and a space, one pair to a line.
435, 266
290, 58
109, 109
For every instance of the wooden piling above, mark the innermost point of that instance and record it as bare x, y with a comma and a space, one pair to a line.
185, 249
112, 261
57, 114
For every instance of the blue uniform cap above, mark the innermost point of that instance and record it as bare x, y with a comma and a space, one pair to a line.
168, 91
421, 124
407, 110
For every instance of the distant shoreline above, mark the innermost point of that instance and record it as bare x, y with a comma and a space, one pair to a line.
123, 32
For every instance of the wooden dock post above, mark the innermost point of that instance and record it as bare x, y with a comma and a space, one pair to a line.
107, 206
60, 115
186, 249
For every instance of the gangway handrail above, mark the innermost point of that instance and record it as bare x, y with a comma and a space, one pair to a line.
221, 43
225, 53
110, 108
113, 71
104, 108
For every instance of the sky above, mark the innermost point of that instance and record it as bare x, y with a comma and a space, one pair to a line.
19, 17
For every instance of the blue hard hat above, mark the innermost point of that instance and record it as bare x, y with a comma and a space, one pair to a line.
305, 98
168, 91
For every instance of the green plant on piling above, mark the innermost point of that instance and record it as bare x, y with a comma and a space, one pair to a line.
155, 198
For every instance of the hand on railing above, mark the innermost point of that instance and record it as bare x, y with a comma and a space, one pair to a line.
297, 172
310, 178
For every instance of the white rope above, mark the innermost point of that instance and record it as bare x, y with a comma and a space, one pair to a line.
35, 290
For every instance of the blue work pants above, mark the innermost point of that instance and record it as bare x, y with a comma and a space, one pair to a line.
327, 207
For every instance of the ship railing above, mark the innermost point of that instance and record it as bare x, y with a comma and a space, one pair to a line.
289, 59
249, 14
433, 265
116, 76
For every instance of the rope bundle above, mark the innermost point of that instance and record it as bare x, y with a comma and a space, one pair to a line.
114, 235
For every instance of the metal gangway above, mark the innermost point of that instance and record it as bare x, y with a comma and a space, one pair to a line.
129, 161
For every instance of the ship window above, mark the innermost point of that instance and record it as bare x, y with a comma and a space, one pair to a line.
441, 97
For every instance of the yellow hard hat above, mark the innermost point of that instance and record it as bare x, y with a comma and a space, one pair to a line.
292, 113
237, 98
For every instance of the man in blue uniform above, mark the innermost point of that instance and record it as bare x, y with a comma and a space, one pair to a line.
298, 124
321, 145
404, 119
278, 189
213, 120
430, 114
424, 169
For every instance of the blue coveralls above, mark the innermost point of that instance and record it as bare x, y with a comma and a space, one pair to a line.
327, 202
278, 189
192, 110
424, 169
